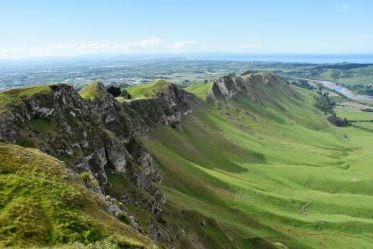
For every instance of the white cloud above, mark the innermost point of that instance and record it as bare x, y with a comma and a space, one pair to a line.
152, 44
254, 45
64, 49
153, 41
181, 45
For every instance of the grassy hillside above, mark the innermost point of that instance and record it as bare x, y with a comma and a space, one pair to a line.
199, 89
264, 170
148, 90
91, 91
44, 204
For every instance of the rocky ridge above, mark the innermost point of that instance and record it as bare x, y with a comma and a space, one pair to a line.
257, 86
100, 136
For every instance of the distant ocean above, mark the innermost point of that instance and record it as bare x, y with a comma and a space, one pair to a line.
306, 58
287, 58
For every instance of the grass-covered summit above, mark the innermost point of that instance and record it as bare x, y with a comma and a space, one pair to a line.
147, 90
93, 90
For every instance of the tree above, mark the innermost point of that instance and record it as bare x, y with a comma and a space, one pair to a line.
337, 121
324, 103
125, 94
113, 90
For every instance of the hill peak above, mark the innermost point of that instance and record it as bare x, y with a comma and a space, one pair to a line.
96, 89
149, 90
259, 86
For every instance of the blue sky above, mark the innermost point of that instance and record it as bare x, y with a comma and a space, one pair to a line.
31, 28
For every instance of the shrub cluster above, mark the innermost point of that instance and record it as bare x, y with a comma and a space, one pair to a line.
324, 103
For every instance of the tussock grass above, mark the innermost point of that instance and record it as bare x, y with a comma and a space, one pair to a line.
41, 203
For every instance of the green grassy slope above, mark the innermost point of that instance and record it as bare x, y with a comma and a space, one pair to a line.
43, 204
148, 90
276, 170
91, 91
199, 89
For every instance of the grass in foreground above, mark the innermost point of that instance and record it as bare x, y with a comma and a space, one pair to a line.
43, 204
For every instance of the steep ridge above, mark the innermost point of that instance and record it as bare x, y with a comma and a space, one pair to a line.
233, 171
266, 94
93, 136
98, 136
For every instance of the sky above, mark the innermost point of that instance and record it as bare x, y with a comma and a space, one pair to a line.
38, 28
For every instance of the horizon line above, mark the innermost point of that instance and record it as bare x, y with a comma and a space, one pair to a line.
176, 54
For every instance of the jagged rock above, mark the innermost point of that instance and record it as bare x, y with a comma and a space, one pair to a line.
226, 87
257, 86
167, 107
133, 223
100, 136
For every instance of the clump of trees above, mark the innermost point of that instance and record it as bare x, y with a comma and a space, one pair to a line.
303, 84
367, 109
125, 94
114, 90
337, 121
324, 102
362, 89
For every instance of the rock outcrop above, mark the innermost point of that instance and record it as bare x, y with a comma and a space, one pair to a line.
99, 136
226, 87
167, 107
259, 87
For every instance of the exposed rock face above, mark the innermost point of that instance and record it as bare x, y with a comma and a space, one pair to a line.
99, 136
227, 87
88, 135
257, 86
167, 107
